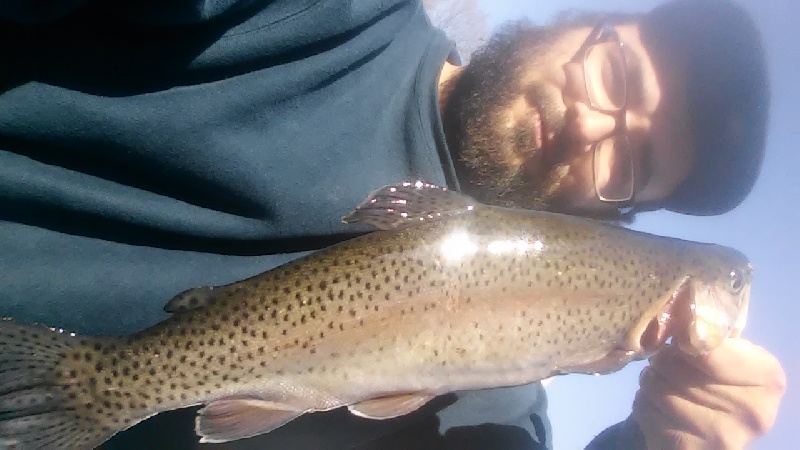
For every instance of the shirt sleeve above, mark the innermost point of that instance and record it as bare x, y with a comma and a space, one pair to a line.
625, 435
37, 11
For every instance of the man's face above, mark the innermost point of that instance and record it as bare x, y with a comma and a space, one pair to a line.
519, 121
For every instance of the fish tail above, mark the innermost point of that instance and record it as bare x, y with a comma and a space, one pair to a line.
41, 398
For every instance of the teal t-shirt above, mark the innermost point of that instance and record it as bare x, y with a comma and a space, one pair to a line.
149, 147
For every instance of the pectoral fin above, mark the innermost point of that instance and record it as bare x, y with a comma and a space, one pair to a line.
238, 418
391, 406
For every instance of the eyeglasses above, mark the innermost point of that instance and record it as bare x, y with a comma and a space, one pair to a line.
604, 75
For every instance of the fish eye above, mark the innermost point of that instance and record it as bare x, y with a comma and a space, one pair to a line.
737, 282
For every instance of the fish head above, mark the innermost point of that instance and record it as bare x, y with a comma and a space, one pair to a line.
717, 299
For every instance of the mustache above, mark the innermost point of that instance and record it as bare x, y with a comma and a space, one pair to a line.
551, 110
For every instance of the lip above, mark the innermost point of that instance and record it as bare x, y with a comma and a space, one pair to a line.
544, 130
541, 133
538, 129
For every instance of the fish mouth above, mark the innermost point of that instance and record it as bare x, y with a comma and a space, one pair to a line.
697, 318
712, 317
661, 323
668, 320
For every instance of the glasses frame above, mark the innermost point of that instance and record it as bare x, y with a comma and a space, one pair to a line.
604, 33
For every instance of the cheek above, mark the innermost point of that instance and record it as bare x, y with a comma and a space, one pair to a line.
672, 159
577, 188
573, 87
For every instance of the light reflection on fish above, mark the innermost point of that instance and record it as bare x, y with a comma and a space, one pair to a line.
449, 295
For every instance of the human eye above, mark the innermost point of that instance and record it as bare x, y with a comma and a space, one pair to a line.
614, 77
606, 76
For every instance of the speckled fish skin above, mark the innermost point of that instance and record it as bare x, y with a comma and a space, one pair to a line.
468, 297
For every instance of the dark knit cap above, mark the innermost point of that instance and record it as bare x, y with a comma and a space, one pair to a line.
728, 98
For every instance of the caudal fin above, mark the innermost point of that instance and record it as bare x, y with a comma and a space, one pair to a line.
40, 396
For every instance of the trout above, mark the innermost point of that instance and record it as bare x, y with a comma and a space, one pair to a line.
445, 295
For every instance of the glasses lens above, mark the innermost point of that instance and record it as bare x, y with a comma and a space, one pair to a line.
604, 70
613, 169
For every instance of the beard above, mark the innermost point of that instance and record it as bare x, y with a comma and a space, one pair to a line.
495, 163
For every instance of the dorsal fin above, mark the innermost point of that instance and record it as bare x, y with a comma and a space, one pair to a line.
397, 206
192, 299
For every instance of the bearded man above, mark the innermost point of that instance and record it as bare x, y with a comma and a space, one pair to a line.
149, 147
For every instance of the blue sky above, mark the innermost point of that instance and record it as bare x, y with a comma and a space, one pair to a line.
765, 228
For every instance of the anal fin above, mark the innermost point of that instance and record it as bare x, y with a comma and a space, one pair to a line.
390, 406
238, 418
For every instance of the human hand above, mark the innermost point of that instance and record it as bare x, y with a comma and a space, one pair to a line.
723, 400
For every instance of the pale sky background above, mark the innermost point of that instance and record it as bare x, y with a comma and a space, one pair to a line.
765, 228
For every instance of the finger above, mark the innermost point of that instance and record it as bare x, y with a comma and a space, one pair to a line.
746, 409
691, 385
671, 371
735, 362
750, 360
671, 421
660, 429
671, 365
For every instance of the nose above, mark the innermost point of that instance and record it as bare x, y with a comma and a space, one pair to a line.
589, 125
